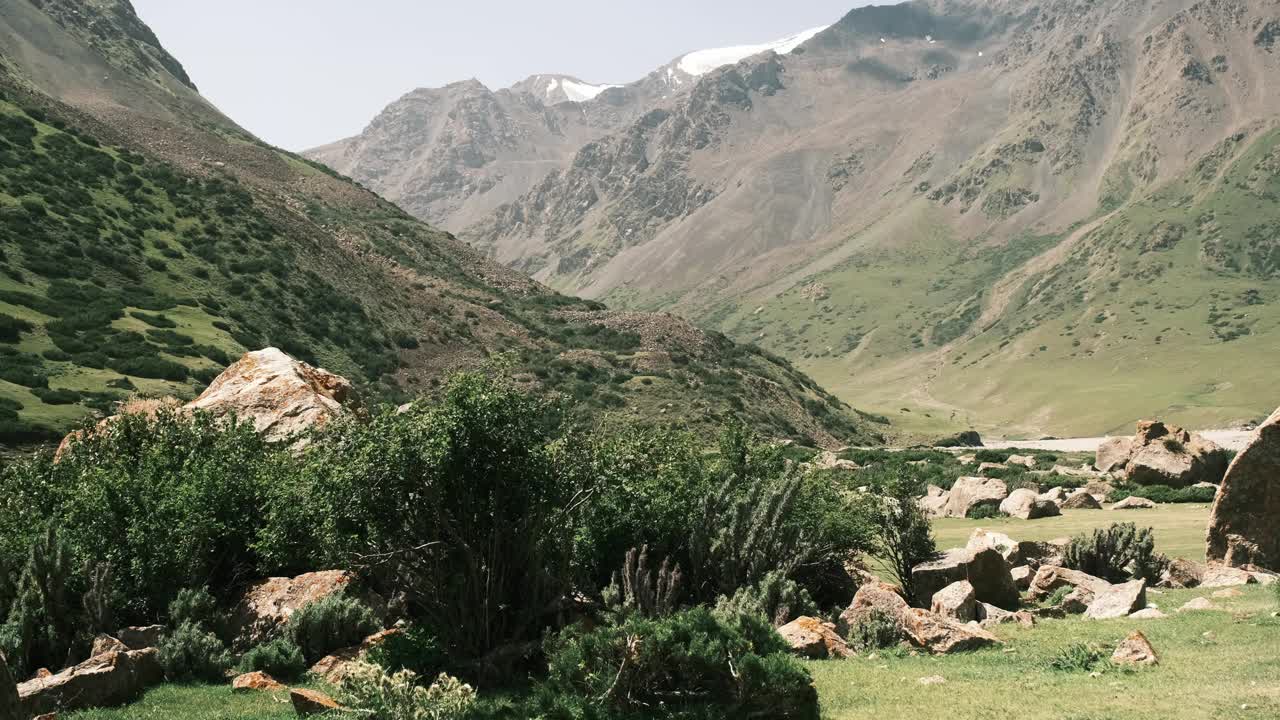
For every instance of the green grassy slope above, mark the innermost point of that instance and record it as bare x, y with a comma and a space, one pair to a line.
146, 241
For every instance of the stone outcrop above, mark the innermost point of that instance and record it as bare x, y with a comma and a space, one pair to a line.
1244, 527
1113, 454
267, 605
1081, 500
940, 635
1118, 600
256, 681
1160, 454
1135, 649
113, 678
1026, 505
985, 569
970, 493
1134, 502
312, 702
872, 597
956, 601
810, 637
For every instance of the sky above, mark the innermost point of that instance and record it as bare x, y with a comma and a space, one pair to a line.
302, 73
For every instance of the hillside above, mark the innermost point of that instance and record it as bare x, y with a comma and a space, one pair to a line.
146, 240
1036, 217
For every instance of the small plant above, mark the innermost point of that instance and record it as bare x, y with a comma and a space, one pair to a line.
1057, 596
280, 658
331, 623
1174, 445
637, 590
415, 648
1116, 553
376, 693
875, 630
775, 598
193, 653
1077, 657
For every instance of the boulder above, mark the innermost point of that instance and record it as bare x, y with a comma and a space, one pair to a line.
113, 678
1135, 649
1182, 573
312, 702
1023, 460
141, 638
1113, 454
255, 681
969, 459
970, 493
1166, 455
1244, 526
989, 615
985, 469
1198, 604
1025, 504
1071, 472
982, 539
1054, 494
1042, 552
956, 601
992, 582
1218, 576
1051, 577
934, 500
873, 597
810, 637
1077, 601
104, 644
266, 606
1134, 502
828, 460
1022, 575
930, 577
1118, 601
1081, 500
1262, 576
334, 667
10, 708
1148, 614
940, 635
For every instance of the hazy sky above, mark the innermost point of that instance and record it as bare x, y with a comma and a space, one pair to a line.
301, 73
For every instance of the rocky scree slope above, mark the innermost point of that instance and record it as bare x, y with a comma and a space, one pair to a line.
146, 240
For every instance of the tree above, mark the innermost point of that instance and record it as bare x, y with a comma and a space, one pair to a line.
904, 534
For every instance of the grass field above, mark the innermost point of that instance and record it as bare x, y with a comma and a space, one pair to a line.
1213, 665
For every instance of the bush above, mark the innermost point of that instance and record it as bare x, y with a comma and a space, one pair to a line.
691, 665
775, 599
903, 532
280, 658
375, 693
11, 328
331, 623
194, 606
875, 630
192, 653
1116, 553
1163, 494
985, 512
416, 648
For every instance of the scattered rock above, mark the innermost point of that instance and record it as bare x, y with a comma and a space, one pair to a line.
969, 459
1051, 577
934, 500
828, 460
1081, 500
982, 539
941, 635
928, 578
141, 638
1023, 503
1118, 601
113, 678
1243, 527
267, 605
986, 570
970, 493
1227, 593
1218, 576
1054, 495
311, 702
1168, 455
334, 667
1262, 576
1135, 649
810, 637
255, 681
1134, 502
985, 468
989, 615
1149, 613
1023, 460
955, 601
1198, 604
1065, 471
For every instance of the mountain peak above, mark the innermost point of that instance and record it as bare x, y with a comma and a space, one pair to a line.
701, 62
553, 89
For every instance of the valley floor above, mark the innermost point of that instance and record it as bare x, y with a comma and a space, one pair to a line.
1219, 665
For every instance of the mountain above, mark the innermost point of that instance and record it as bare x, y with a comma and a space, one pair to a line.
1037, 217
146, 240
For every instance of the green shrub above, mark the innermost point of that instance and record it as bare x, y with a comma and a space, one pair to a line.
874, 630
775, 598
11, 328
193, 606
415, 648
193, 653
985, 511
904, 535
331, 623
1116, 553
1078, 657
280, 658
1163, 493
691, 665
375, 693
1057, 596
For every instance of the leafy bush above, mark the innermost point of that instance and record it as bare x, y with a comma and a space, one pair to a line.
904, 535
690, 665
193, 653
415, 648
331, 623
1078, 657
11, 328
195, 606
372, 691
280, 658
874, 630
41, 624
1116, 553
775, 598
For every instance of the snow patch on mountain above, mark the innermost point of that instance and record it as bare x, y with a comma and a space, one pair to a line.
704, 61
575, 91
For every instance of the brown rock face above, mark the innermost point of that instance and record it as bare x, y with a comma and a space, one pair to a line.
1113, 454
1218, 576
311, 702
255, 681
267, 605
1081, 500
1026, 505
941, 635
1182, 573
1244, 528
1135, 650
10, 709
956, 601
871, 597
114, 678
810, 637
969, 493
1160, 454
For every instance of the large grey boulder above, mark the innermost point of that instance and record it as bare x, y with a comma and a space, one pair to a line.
970, 493
1244, 527
986, 570
1026, 505
1161, 454
956, 601
930, 577
1118, 601
1113, 454
1081, 500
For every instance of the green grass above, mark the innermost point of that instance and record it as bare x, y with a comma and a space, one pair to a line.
197, 702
